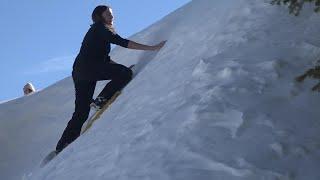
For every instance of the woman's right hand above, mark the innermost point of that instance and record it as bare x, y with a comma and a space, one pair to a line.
159, 46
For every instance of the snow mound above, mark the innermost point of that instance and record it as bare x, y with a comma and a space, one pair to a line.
217, 102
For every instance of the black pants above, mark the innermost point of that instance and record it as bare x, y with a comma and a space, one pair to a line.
84, 89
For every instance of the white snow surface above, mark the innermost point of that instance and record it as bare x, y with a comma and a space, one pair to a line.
219, 101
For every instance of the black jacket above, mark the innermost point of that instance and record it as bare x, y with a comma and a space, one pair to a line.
94, 51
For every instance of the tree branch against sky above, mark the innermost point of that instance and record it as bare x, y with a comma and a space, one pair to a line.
295, 6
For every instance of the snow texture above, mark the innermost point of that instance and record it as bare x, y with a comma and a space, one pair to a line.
219, 101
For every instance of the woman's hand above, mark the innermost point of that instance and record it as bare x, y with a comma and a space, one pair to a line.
159, 46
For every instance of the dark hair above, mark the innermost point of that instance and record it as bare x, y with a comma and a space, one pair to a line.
97, 13
97, 16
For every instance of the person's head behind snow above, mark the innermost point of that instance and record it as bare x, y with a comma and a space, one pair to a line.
28, 88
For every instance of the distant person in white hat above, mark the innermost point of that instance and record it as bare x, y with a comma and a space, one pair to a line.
28, 88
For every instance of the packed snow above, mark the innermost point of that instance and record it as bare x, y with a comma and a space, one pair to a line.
219, 101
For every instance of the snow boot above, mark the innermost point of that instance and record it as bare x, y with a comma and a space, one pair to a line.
99, 102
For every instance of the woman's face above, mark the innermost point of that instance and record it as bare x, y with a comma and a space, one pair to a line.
108, 17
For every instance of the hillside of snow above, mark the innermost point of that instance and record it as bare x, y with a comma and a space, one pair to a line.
219, 101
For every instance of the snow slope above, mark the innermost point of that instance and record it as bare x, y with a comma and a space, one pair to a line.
217, 102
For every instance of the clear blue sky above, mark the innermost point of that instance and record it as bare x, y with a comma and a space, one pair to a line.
39, 39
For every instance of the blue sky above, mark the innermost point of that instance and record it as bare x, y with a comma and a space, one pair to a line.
39, 39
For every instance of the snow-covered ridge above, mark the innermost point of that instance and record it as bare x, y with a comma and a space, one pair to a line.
217, 102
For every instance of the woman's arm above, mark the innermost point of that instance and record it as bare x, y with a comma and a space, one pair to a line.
135, 45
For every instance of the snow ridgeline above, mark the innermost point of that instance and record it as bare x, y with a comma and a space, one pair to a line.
217, 102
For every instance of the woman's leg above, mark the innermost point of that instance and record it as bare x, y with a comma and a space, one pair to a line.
84, 91
119, 75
